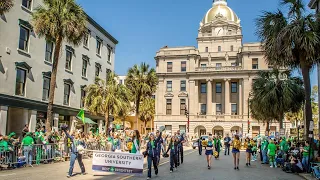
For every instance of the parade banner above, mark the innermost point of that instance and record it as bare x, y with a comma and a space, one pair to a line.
117, 162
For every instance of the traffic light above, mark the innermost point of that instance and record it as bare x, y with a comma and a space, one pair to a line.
186, 112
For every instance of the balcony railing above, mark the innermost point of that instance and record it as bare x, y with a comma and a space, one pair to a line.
222, 68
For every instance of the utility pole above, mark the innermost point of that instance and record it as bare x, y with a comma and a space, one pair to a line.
248, 116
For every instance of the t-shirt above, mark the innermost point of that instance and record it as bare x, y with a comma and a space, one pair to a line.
272, 149
27, 141
134, 150
306, 154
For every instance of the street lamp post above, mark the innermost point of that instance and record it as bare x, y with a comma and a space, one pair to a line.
187, 114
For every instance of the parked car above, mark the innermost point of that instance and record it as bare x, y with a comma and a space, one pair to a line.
195, 141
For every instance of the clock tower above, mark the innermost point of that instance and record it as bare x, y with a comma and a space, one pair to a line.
220, 34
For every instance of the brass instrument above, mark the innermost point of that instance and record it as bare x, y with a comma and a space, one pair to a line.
205, 143
236, 144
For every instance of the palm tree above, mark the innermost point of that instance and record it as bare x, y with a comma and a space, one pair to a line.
276, 93
5, 6
59, 20
291, 40
147, 111
104, 98
295, 117
141, 82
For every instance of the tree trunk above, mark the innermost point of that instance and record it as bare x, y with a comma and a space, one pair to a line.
308, 109
53, 83
137, 112
123, 123
145, 127
267, 128
106, 117
281, 121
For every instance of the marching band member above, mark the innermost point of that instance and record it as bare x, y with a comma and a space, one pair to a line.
236, 144
248, 147
173, 147
200, 146
209, 150
152, 153
217, 145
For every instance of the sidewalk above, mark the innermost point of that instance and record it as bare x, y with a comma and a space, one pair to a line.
307, 176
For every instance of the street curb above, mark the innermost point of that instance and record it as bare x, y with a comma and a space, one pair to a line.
306, 176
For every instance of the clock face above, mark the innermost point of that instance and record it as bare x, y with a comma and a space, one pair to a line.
219, 31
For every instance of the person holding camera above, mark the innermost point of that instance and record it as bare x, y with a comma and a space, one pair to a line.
77, 146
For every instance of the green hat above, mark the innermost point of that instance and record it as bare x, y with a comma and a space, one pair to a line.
11, 134
28, 133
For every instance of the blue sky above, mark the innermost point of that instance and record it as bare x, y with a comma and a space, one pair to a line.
144, 26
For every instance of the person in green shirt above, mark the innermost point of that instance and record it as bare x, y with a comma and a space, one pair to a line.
305, 155
135, 142
26, 144
3, 145
272, 148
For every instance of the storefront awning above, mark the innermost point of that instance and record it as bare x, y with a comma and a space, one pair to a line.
87, 120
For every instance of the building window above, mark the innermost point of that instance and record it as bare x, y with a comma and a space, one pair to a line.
169, 66
203, 88
99, 44
68, 60
49, 51
218, 109
233, 64
24, 38
20, 81
203, 109
169, 86
45, 88
231, 48
218, 65
27, 3
219, 48
168, 128
203, 65
66, 94
182, 128
83, 95
183, 66
169, 107
255, 64
86, 38
84, 68
207, 49
234, 110
97, 71
120, 81
182, 106
218, 87
234, 87
109, 54
183, 85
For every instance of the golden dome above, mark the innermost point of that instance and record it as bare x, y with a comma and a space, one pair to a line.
220, 9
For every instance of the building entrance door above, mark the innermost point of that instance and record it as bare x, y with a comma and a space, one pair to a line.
202, 132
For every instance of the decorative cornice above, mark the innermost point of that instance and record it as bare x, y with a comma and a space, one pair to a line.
85, 57
168, 95
83, 86
23, 65
68, 81
183, 94
47, 74
26, 24
69, 48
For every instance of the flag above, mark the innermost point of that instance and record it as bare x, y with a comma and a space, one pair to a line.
81, 115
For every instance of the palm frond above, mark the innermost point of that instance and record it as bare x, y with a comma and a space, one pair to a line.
5, 6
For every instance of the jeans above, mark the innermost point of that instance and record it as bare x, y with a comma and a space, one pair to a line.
264, 156
27, 152
173, 161
181, 153
305, 162
226, 148
73, 158
152, 160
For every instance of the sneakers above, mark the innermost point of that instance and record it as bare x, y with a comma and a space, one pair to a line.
238, 168
247, 164
252, 160
68, 176
148, 178
83, 173
171, 171
271, 166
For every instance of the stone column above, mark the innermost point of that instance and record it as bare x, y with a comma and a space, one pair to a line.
55, 125
246, 90
32, 121
3, 119
191, 96
73, 122
209, 97
240, 97
196, 97
227, 97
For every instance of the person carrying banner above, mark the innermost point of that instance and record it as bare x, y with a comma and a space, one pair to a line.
76, 154
135, 149
152, 153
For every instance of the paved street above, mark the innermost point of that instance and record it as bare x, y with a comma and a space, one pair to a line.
194, 167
